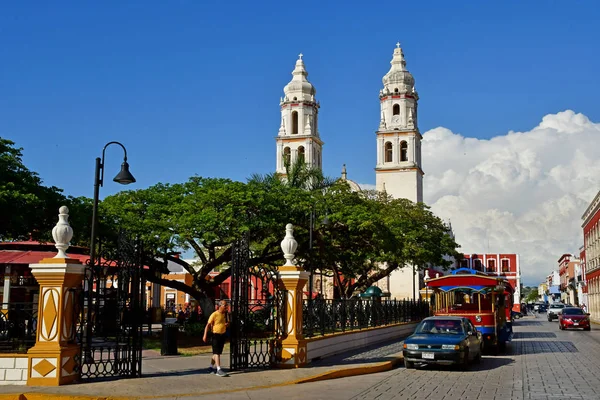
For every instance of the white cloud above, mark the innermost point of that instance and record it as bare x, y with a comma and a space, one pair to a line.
523, 192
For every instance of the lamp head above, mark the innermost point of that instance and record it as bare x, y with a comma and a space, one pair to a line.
124, 177
325, 221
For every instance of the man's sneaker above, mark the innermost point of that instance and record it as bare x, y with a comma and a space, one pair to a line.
222, 373
211, 370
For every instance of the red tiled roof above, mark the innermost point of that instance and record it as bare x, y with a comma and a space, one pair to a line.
33, 257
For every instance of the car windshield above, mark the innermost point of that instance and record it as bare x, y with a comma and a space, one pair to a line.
573, 311
557, 306
443, 326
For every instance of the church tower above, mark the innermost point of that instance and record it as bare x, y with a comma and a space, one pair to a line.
298, 136
398, 169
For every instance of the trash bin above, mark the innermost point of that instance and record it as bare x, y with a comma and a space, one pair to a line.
169, 339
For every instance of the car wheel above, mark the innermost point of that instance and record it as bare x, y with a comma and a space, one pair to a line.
478, 357
549, 319
408, 364
465, 363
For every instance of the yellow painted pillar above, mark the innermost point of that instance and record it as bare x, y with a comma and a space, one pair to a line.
53, 358
292, 279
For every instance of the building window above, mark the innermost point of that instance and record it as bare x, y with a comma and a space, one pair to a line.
403, 151
396, 109
294, 122
491, 265
301, 154
388, 152
287, 156
477, 264
395, 90
464, 263
505, 265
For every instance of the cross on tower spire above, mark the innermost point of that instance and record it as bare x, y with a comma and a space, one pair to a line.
398, 45
300, 56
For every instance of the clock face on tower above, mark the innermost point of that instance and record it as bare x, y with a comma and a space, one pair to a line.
395, 120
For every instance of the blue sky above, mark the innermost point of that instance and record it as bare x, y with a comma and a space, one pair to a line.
193, 87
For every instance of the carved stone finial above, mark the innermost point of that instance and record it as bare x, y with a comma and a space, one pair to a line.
289, 245
426, 277
62, 233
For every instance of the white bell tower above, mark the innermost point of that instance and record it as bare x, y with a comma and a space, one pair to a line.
298, 133
398, 169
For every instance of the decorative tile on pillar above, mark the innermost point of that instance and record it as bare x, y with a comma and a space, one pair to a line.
68, 312
50, 300
68, 366
46, 368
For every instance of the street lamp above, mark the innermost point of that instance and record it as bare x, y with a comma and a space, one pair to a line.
124, 177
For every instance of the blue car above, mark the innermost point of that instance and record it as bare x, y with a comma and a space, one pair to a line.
443, 340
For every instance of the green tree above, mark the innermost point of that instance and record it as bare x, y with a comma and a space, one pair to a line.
532, 296
27, 207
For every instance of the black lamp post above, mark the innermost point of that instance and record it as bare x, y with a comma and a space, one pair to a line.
311, 267
124, 177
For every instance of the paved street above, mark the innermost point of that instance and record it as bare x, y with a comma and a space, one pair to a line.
542, 362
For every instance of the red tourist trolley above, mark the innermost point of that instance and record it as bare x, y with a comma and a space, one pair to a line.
485, 299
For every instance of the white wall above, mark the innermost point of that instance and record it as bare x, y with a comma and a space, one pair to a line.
335, 344
13, 369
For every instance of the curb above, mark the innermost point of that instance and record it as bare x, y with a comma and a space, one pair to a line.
340, 373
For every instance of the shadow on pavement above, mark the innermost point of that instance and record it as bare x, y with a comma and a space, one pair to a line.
533, 335
531, 347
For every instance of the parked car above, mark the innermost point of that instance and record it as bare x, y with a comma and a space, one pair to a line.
516, 314
553, 310
443, 340
573, 317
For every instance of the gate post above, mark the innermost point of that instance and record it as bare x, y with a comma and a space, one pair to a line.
292, 279
52, 360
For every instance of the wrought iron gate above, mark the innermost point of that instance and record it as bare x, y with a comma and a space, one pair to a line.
256, 307
110, 313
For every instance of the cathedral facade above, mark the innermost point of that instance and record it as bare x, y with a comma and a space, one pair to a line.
398, 169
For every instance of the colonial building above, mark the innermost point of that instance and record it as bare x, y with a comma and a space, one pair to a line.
568, 268
506, 265
591, 247
298, 136
398, 144
398, 170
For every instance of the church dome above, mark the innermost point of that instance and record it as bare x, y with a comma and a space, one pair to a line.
299, 87
398, 79
355, 187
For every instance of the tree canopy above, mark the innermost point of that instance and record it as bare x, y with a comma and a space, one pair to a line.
368, 234
28, 209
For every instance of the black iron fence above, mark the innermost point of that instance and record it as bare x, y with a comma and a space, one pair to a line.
325, 316
18, 325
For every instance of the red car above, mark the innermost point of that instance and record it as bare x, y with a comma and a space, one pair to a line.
573, 317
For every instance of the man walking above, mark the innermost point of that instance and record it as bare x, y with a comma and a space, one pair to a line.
218, 325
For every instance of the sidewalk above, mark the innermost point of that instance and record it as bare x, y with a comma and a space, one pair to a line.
176, 376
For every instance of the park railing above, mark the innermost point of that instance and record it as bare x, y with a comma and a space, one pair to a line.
325, 316
18, 324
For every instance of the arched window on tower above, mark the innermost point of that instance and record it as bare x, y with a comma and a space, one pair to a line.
395, 90
388, 152
403, 151
301, 154
396, 110
294, 122
287, 156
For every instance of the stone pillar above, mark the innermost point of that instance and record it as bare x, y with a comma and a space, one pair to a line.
292, 279
52, 360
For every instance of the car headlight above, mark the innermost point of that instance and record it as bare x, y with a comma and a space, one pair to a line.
450, 347
412, 346
567, 319
478, 318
